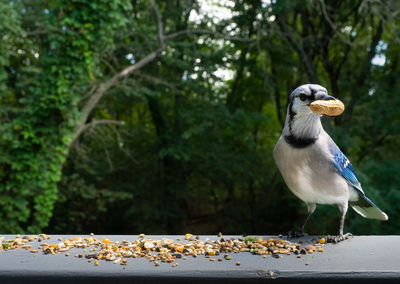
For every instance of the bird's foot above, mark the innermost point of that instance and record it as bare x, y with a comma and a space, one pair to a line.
338, 238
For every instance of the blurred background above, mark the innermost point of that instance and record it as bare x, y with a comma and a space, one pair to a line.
130, 116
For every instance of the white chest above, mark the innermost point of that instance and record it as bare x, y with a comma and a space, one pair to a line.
309, 173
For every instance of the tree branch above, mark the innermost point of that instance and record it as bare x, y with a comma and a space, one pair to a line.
332, 25
97, 94
93, 123
207, 32
364, 73
160, 27
310, 70
104, 87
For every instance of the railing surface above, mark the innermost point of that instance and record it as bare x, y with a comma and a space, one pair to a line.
361, 259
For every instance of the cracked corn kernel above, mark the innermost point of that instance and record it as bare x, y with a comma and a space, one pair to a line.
96, 263
322, 241
238, 263
106, 241
320, 249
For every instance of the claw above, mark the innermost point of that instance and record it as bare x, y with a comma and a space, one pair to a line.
338, 238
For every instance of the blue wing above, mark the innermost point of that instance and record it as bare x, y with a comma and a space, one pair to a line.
362, 205
343, 165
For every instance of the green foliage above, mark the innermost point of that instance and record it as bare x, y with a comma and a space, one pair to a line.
37, 125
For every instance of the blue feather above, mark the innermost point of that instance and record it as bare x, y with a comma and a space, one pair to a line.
343, 165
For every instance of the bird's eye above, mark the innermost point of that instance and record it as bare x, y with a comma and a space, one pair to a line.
302, 96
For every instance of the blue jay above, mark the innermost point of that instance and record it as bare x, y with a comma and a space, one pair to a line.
313, 167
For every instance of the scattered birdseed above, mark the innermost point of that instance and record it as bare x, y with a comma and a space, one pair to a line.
162, 250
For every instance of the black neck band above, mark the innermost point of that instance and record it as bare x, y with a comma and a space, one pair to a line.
297, 142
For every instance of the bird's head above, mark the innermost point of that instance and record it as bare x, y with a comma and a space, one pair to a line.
301, 121
301, 98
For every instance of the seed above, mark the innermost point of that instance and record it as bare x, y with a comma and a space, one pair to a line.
96, 263
310, 251
320, 249
238, 263
106, 241
34, 250
156, 263
298, 256
75, 239
141, 236
212, 259
322, 241
220, 259
309, 247
60, 239
307, 263
67, 254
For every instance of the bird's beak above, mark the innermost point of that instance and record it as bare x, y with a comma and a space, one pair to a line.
323, 96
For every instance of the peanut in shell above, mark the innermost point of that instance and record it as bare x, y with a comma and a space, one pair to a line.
331, 107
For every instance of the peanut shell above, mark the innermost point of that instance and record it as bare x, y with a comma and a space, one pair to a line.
331, 107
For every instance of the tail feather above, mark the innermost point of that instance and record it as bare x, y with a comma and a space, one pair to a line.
367, 208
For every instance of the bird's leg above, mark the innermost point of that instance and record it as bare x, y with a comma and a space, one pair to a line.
300, 232
341, 236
